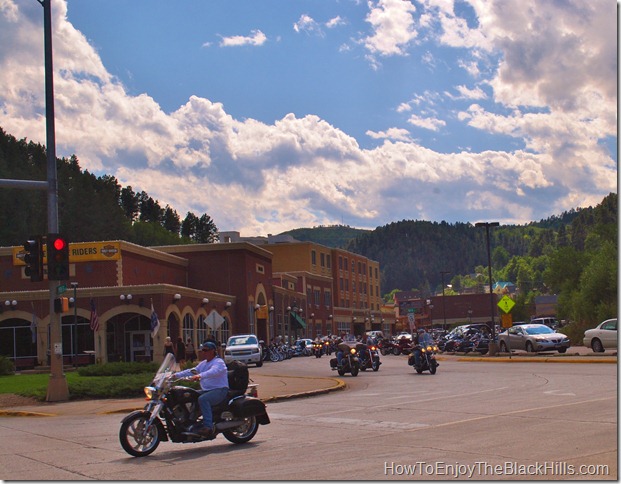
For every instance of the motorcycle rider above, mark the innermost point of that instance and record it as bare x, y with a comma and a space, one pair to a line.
421, 339
212, 374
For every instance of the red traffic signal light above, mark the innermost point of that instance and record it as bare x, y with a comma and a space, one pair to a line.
57, 257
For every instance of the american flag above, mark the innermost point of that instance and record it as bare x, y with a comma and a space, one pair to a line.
33, 328
94, 317
155, 322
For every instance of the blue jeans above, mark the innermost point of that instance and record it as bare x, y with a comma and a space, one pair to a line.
208, 399
417, 354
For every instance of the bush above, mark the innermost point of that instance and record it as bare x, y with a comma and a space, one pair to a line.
119, 368
6, 366
575, 331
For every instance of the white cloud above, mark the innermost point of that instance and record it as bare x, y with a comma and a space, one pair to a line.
393, 27
433, 124
301, 170
397, 134
257, 38
306, 24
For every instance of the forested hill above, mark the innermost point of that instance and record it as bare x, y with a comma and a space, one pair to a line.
337, 236
413, 254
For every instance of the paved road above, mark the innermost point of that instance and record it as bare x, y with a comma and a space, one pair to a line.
479, 418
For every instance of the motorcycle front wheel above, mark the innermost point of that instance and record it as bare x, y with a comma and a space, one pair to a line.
354, 371
432, 367
244, 433
136, 439
375, 365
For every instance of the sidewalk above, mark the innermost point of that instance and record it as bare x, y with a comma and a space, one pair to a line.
270, 387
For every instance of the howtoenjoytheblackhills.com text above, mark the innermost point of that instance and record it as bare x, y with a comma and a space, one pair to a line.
484, 469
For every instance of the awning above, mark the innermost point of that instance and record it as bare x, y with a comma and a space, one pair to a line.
298, 319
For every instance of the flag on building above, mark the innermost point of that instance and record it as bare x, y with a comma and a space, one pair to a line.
33, 328
94, 317
155, 323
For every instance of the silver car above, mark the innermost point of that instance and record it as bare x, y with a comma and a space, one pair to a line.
603, 337
533, 338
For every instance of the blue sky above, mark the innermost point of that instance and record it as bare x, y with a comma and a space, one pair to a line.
270, 115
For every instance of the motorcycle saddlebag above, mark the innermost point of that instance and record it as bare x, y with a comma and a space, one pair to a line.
411, 360
333, 363
245, 406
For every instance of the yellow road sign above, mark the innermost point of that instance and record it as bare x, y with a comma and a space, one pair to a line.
506, 303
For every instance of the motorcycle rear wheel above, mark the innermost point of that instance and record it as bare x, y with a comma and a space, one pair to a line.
135, 439
244, 433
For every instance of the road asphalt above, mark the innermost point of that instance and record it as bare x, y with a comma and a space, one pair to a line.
281, 387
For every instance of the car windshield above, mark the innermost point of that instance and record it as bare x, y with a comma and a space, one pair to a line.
539, 329
242, 340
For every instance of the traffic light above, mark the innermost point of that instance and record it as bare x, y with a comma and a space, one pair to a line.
61, 305
57, 257
34, 258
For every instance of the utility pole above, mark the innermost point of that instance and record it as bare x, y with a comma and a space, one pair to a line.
443, 298
493, 346
57, 389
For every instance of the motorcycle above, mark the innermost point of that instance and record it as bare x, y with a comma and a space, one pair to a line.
369, 358
349, 361
317, 349
386, 346
172, 413
427, 358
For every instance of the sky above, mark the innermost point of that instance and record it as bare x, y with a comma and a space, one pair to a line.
270, 115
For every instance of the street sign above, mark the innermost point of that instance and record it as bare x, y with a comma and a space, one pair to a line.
506, 303
507, 320
61, 289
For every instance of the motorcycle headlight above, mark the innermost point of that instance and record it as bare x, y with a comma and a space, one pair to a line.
429, 348
422, 350
352, 351
435, 348
373, 348
149, 392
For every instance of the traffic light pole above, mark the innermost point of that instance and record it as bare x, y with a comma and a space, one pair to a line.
57, 389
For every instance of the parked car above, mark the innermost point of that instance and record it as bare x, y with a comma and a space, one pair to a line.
533, 338
243, 347
548, 321
603, 337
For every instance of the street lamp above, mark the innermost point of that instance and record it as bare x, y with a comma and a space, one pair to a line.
75, 321
443, 298
493, 349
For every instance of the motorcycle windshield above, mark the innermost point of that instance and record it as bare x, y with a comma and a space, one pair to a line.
425, 339
167, 366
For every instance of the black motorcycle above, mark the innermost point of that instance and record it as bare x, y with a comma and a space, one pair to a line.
172, 413
317, 349
349, 361
427, 358
368, 357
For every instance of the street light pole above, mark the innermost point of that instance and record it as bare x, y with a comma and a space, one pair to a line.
493, 349
74, 333
443, 298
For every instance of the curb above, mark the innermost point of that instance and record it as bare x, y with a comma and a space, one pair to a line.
340, 385
526, 359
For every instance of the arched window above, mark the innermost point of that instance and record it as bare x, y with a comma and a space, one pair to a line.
188, 328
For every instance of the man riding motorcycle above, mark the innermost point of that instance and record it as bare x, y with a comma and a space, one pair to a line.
421, 339
212, 374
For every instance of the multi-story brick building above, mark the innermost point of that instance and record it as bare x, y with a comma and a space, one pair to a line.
289, 289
